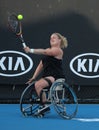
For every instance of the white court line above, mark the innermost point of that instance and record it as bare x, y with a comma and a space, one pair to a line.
87, 119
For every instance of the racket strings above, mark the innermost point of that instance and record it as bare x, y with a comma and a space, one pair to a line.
14, 24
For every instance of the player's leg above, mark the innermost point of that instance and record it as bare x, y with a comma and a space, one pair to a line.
42, 83
39, 86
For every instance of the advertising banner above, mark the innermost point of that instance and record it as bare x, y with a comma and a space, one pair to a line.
77, 20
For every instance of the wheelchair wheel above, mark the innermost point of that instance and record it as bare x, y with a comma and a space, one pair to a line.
64, 100
28, 101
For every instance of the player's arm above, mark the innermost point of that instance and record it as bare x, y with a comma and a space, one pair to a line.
48, 51
36, 73
38, 70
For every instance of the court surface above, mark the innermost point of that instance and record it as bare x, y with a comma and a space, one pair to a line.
11, 118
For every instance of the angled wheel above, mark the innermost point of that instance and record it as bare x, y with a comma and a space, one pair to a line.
64, 99
29, 101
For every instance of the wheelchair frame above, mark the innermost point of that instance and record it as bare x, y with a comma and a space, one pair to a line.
60, 95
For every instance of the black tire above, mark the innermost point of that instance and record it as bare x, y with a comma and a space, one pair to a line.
28, 101
64, 100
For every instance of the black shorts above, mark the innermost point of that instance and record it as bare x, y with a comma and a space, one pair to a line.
49, 81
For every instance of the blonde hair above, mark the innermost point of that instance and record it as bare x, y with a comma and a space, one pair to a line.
64, 42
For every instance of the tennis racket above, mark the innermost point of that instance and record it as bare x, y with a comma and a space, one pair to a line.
16, 27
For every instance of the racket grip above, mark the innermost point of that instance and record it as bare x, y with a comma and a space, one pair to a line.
24, 45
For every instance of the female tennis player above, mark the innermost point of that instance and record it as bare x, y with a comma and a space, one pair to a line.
51, 64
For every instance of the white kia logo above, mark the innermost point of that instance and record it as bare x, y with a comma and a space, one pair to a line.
86, 65
14, 63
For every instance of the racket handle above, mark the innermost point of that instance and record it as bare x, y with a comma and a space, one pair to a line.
24, 45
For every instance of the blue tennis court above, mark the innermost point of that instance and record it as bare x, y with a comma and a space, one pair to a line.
11, 119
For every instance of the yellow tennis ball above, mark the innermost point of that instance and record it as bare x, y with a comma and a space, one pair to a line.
20, 16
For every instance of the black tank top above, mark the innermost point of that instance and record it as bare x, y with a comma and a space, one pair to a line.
52, 67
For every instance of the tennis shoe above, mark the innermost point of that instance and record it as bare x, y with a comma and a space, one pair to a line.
44, 109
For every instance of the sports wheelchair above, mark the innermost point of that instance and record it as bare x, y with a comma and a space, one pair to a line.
60, 95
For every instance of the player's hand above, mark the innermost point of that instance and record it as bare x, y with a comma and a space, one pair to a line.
26, 49
30, 81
